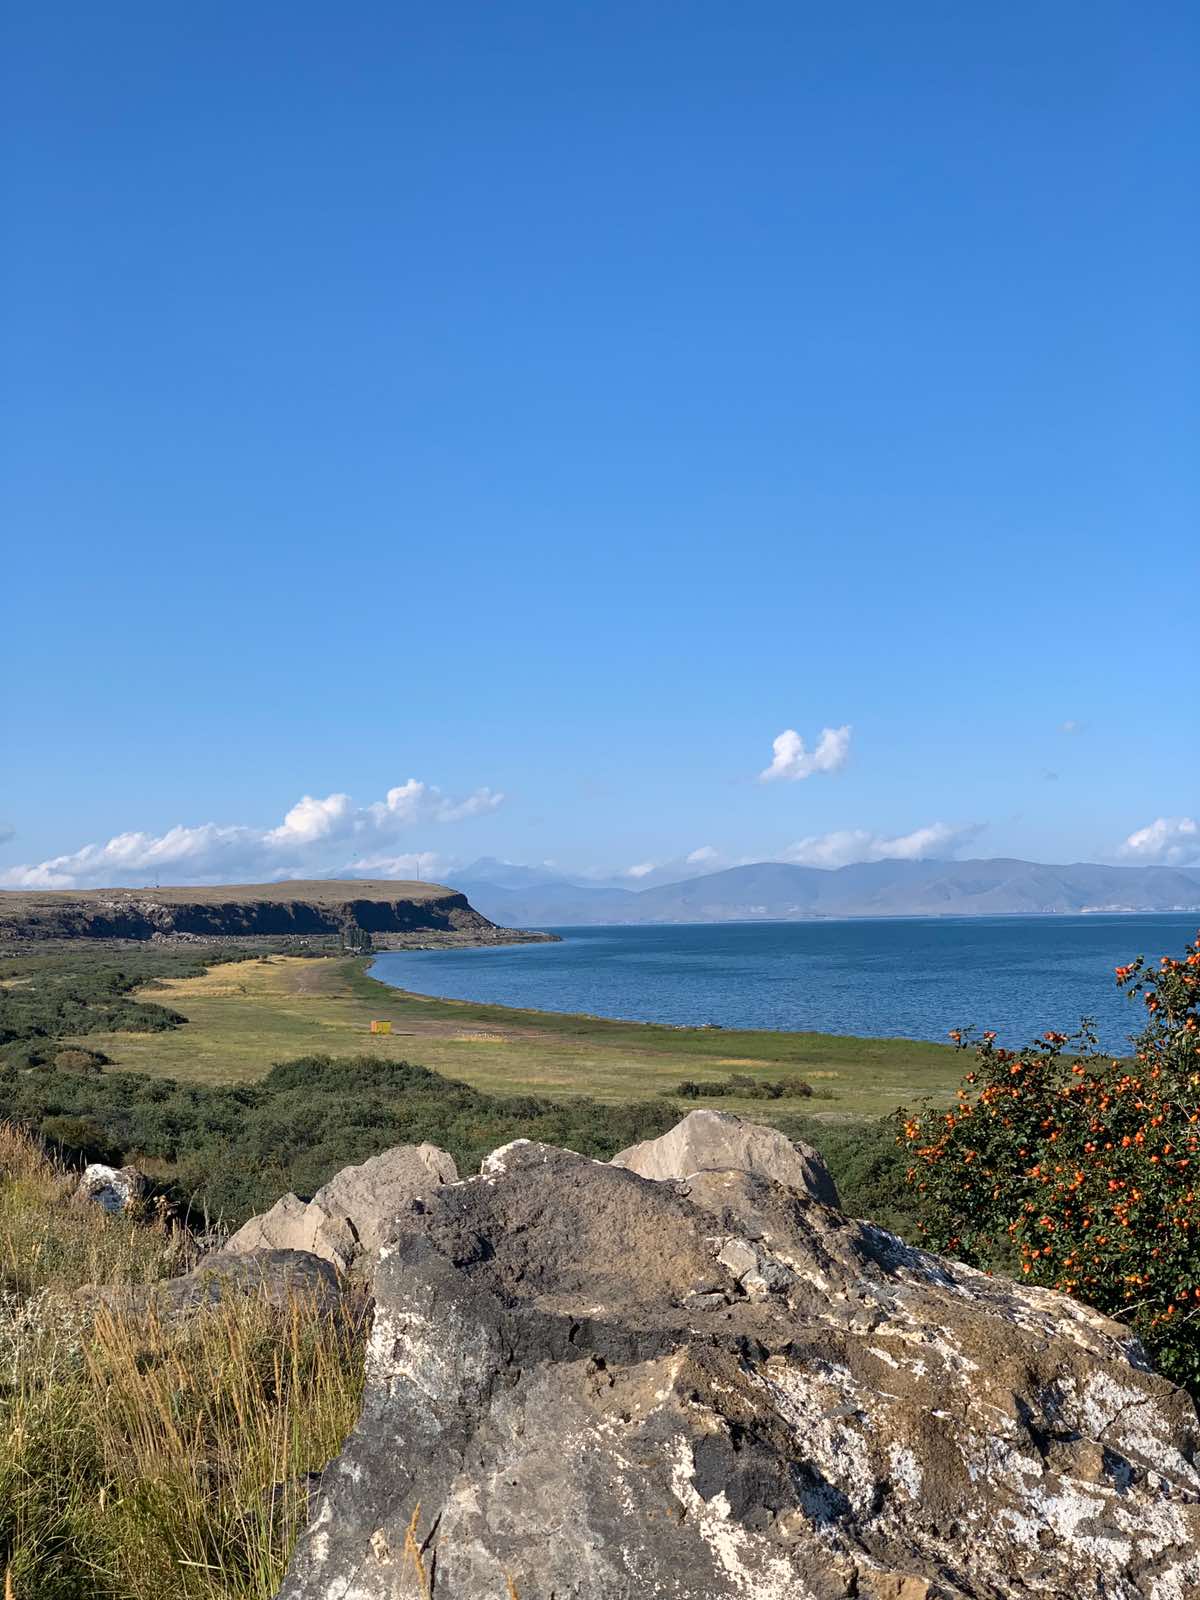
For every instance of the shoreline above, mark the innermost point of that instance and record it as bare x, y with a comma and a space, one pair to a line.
524, 1015
472, 939
625, 974
315, 946
242, 1018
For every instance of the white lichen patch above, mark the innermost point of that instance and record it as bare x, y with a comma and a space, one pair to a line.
497, 1164
1128, 1418
753, 1569
934, 1342
906, 1470
818, 1402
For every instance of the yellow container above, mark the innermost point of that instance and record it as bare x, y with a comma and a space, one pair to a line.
381, 1027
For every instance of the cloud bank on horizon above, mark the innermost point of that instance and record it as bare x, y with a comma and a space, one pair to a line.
317, 837
848, 846
1167, 842
331, 836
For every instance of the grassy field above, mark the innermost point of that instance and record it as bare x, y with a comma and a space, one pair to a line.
244, 1018
314, 891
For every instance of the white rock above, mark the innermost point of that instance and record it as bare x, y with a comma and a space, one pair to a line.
113, 1189
714, 1140
349, 1217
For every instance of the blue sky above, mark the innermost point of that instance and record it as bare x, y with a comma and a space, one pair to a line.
534, 411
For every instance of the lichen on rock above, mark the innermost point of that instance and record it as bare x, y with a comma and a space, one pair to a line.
585, 1383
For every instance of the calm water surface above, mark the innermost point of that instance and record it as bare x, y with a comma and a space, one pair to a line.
911, 978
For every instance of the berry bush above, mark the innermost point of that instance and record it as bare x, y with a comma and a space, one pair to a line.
1079, 1172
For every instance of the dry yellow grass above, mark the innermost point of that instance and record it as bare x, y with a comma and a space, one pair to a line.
140, 1461
49, 1242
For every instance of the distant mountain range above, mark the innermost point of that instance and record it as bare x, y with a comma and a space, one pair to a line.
775, 891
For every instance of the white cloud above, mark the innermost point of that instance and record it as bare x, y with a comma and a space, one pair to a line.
311, 819
421, 802
317, 837
793, 760
425, 864
1167, 841
701, 857
845, 846
1070, 726
642, 870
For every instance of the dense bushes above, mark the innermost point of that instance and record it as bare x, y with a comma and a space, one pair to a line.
743, 1086
53, 995
25, 1016
1080, 1172
231, 1151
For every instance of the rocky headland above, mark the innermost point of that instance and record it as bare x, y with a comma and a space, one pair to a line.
387, 913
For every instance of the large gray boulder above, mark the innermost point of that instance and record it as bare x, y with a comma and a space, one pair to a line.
586, 1385
279, 1277
350, 1217
712, 1140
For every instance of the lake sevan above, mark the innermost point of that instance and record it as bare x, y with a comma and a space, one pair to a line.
912, 978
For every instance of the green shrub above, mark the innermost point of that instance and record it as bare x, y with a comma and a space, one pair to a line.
743, 1086
79, 1138
75, 1059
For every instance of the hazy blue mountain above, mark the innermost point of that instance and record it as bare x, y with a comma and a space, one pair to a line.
503, 874
488, 872
779, 891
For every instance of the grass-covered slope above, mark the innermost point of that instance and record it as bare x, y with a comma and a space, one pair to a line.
241, 1019
140, 1461
233, 1079
227, 1151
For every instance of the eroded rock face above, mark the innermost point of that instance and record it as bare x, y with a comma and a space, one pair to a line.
351, 1216
581, 1383
113, 1189
236, 911
712, 1140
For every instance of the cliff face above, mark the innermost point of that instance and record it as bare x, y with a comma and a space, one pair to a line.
240, 911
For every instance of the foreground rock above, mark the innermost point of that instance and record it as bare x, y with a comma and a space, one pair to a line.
713, 1140
587, 1385
279, 1277
113, 1189
354, 1212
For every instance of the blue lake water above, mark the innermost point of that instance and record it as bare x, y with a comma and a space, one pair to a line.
911, 978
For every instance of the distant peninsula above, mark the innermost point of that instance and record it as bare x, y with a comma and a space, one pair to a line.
380, 914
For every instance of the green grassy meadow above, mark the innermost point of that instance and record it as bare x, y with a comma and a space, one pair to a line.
243, 1018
